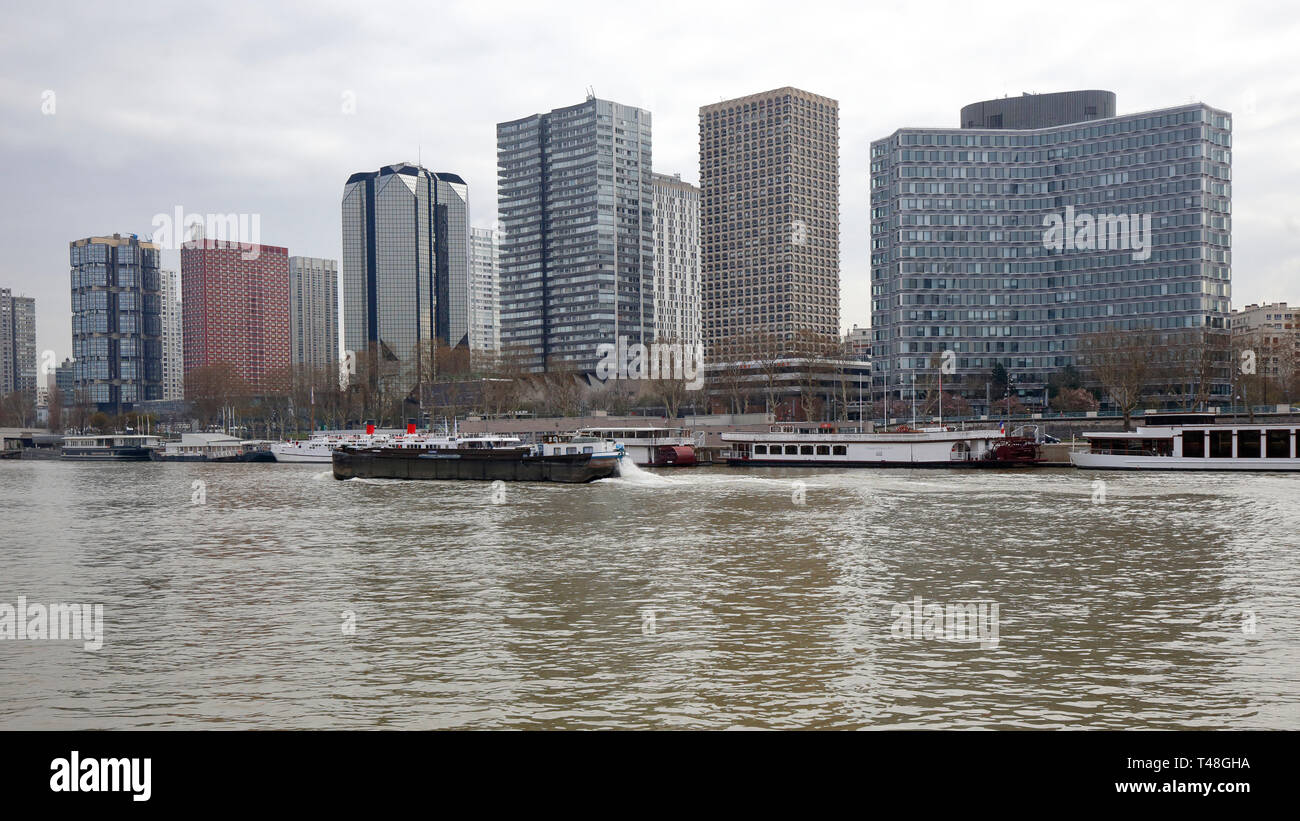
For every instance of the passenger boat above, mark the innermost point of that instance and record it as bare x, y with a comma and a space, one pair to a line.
1208, 446
651, 447
113, 447
570, 459
320, 448
931, 447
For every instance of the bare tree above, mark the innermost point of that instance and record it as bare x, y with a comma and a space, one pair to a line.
1124, 364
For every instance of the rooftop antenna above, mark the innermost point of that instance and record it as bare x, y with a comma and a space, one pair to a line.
591, 92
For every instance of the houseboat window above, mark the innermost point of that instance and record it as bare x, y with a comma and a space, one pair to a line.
760, 449
839, 450
791, 450
1159, 447
571, 450
1194, 444
823, 450
806, 450
1220, 444
588, 449
1248, 444
1278, 444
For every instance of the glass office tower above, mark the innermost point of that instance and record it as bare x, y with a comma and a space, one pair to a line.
967, 255
406, 274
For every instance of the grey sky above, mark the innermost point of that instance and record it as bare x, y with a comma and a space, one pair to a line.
234, 107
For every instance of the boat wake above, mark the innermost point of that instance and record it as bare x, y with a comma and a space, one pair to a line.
631, 473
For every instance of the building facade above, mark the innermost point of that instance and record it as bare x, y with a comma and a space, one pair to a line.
173, 350
485, 304
116, 322
1271, 333
769, 202
575, 209
676, 286
1010, 247
17, 344
314, 313
235, 311
406, 270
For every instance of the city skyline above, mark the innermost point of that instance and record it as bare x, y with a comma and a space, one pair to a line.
272, 142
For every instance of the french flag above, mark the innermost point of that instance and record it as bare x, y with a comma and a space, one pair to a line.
1002, 428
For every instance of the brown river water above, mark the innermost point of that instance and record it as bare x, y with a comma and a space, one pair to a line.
273, 596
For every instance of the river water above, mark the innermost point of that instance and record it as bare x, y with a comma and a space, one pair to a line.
273, 596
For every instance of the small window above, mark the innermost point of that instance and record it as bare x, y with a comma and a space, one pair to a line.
791, 450
806, 450
1248, 444
1194, 444
823, 450
1220, 444
839, 450
1277, 444
587, 449
760, 449
571, 450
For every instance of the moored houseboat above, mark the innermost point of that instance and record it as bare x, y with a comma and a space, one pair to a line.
931, 447
212, 447
112, 447
1207, 446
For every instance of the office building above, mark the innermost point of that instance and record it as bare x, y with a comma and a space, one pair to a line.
769, 202
575, 209
1012, 246
406, 270
313, 314
116, 322
676, 286
17, 344
235, 311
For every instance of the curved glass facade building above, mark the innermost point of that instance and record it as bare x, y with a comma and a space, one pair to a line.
1009, 246
406, 275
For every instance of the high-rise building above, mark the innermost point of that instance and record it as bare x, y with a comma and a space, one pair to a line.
485, 304
116, 322
17, 344
1011, 246
65, 379
769, 203
314, 313
235, 310
173, 350
406, 271
676, 286
577, 257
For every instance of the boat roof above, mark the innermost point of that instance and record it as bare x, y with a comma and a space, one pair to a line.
1167, 431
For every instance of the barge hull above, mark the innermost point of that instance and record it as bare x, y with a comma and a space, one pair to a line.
487, 466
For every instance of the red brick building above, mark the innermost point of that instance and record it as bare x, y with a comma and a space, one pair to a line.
235, 310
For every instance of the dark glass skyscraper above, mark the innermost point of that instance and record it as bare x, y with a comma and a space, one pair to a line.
575, 208
968, 255
406, 273
116, 322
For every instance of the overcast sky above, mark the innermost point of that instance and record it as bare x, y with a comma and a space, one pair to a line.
239, 108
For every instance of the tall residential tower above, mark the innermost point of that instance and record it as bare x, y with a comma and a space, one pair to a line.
769, 202
676, 259
314, 313
575, 207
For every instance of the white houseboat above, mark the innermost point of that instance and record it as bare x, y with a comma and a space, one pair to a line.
212, 447
651, 447
113, 447
1192, 447
931, 447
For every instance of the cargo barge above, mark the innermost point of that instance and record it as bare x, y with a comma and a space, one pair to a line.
572, 460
